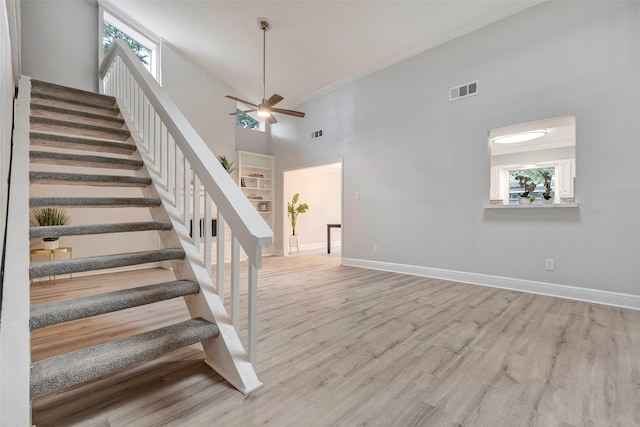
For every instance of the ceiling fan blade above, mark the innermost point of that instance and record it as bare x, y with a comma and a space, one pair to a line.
275, 98
271, 119
289, 112
241, 100
243, 112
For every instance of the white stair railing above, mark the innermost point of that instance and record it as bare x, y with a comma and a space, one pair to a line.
192, 184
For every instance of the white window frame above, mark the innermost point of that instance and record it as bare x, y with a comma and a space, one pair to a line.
564, 174
110, 13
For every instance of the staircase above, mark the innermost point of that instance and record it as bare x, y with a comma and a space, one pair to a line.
71, 130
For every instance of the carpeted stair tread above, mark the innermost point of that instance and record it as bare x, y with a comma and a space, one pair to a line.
94, 202
85, 179
78, 143
56, 100
94, 305
74, 128
84, 160
53, 268
53, 112
82, 365
38, 86
83, 230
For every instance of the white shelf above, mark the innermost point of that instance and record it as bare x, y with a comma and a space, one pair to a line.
541, 206
249, 163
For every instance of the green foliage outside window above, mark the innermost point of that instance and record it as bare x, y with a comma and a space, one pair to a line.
246, 121
110, 33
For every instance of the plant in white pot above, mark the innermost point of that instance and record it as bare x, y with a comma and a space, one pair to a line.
295, 210
46, 217
547, 198
528, 187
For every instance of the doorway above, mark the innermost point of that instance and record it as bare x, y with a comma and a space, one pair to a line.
320, 187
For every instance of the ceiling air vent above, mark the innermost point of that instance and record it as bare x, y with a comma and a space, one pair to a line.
316, 134
463, 91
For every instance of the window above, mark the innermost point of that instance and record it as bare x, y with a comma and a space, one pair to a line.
536, 176
248, 120
109, 33
145, 45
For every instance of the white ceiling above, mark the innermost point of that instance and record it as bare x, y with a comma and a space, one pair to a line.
313, 46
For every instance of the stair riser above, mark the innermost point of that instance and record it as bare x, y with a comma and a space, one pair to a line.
69, 128
51, 101
96, 145
72, 117
44, 269
69, 93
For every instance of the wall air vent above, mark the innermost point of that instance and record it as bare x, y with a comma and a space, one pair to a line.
316, 134
463, 91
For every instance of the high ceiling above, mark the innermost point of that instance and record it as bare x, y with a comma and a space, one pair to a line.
313, 46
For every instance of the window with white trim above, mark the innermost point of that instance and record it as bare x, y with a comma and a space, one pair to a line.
145, 45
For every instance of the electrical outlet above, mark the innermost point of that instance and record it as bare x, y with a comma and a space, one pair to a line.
357, 195
375, 249
550, 264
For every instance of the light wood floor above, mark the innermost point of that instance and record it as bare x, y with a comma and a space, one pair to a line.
342, 346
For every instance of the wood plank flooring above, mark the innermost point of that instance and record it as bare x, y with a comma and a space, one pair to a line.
342, 346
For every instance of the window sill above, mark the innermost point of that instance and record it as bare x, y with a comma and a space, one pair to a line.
540, 206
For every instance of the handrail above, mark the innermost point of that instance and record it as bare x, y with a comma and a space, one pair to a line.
189, 179
15, 346
248, 227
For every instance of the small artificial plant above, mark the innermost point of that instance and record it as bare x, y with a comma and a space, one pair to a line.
294, 211
49, 217
547, 185
529, 187
226, 164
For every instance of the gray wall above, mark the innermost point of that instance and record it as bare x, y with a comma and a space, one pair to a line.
201, 99
421, 166
60, 42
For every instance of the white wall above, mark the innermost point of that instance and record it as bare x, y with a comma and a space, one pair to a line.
60, 42
320, 187
9, 75
7, 89
421, 166
201, 99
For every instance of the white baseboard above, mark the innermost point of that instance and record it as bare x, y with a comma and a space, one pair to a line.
550, 289
319, 245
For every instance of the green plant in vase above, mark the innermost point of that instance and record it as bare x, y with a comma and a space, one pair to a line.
293, 212
47, 217
226, 164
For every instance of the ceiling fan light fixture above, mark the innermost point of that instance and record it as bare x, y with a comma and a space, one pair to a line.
265, 108
520, 137
263, 111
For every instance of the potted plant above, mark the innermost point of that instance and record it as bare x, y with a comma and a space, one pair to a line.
226, 164
528, 187
547, 198
293, 212
46, 217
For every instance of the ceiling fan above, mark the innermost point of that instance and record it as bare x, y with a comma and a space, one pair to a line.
266, 107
